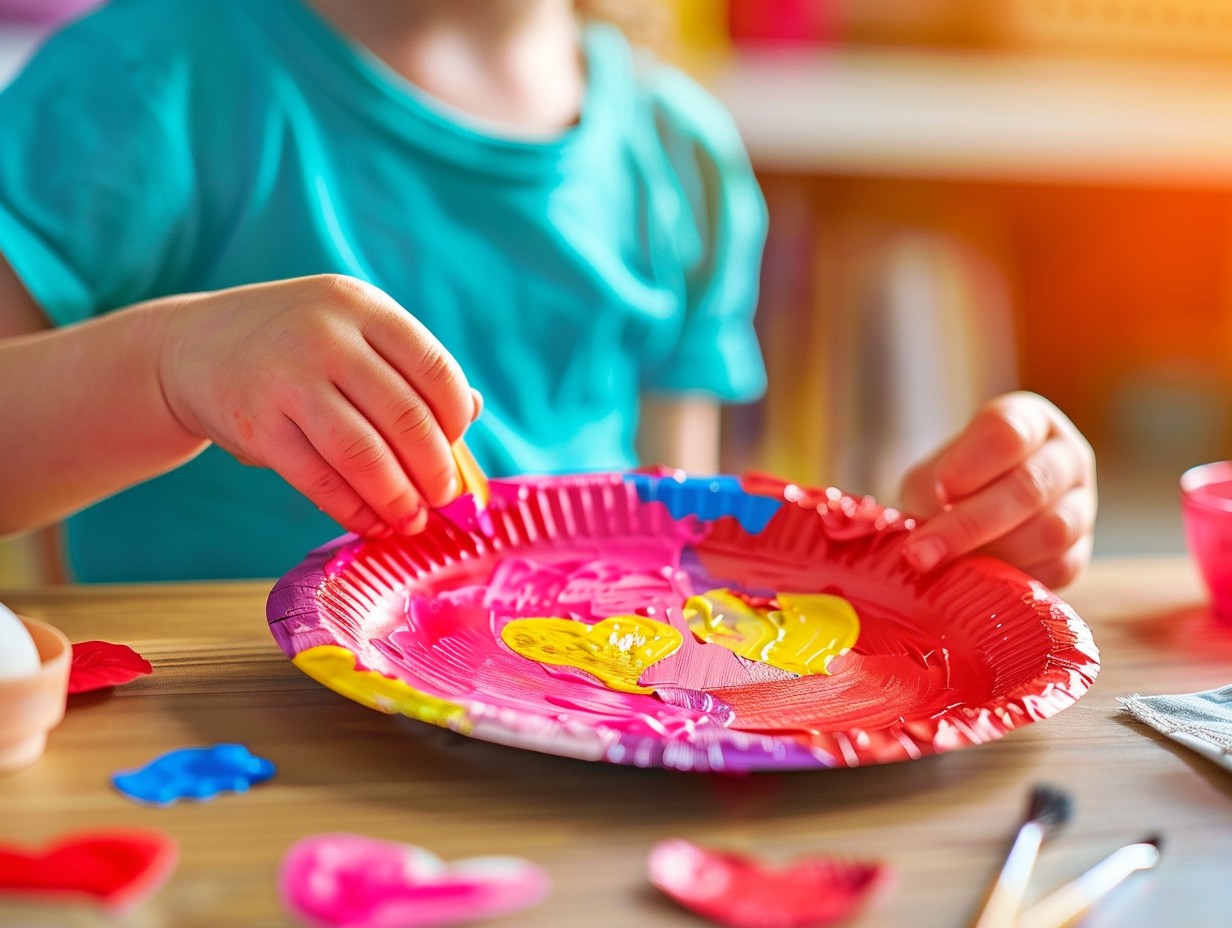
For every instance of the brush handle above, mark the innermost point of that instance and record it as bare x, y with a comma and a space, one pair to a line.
1073, 900
1005, 897
473, 479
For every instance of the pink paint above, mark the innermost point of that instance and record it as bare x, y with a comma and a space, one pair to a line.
702, 666
451, 642
489, 680
352, 881
952, 658
450, 645
467, 513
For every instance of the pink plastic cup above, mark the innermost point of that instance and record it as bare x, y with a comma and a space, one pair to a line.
1206, 507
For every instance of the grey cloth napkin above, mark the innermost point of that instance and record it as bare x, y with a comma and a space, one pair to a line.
1200, 721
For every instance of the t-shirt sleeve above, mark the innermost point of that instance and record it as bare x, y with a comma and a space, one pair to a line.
95, 178
717, 351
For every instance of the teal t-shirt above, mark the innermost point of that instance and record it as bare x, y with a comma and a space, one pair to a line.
170, 146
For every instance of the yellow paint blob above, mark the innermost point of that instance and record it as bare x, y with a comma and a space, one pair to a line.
617, 650
802, 636
334, 666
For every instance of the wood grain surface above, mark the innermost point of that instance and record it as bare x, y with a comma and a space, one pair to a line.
942, 823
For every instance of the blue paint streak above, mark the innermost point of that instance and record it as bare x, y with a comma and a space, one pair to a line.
707, 498
194, 773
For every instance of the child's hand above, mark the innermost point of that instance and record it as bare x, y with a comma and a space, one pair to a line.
329, 382
1018, 482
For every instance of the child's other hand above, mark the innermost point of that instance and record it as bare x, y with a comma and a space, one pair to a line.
1018, 483
330, 383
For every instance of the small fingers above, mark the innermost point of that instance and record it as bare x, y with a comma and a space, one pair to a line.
1050, 545
408, 427
302, 466
919, 493
1004, 433
423, 363
1001, 435
412, 400
357, 451
998, 508
1063, 570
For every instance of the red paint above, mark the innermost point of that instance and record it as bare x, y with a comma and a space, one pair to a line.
99, 664
116, 868
741, 891
955, 657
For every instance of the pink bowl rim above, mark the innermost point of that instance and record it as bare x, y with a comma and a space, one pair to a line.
1196, 479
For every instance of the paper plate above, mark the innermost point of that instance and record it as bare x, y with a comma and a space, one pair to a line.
425, 626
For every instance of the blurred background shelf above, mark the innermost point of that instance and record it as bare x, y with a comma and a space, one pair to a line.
980, 116
946, 223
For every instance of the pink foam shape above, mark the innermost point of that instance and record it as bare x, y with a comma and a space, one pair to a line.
353, 881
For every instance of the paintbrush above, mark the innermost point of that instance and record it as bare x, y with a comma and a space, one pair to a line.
1047, 810
1073, 900
474, 480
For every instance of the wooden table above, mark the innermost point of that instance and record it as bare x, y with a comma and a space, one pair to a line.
941, 823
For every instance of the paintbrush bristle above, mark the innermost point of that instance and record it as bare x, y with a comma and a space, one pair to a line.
1050, 807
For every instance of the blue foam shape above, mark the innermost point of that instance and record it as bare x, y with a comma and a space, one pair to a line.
707, 498
194, 773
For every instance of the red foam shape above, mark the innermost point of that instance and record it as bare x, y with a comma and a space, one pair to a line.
741, 891
100, 664
116, 868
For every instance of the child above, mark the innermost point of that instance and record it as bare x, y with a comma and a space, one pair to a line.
300, 233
